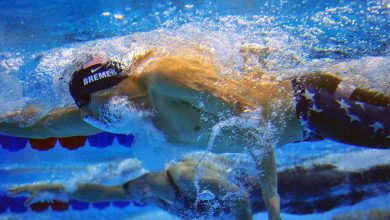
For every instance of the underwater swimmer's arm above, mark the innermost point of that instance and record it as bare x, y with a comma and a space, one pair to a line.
34, 190
95, 193
62, 122
84, 192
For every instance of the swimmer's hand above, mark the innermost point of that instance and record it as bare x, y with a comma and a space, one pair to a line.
28, 112
34, 191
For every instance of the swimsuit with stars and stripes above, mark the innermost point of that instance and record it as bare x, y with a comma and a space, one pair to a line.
331, 108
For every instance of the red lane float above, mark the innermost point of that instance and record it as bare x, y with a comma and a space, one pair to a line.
39, 206
73, 143
59, 205
43, 144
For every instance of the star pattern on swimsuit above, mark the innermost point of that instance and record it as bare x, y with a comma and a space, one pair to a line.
343, 105
309, 95
303, 122
361, 104
377, 126
315, 109
353, 118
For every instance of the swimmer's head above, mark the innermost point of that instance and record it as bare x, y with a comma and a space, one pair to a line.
95, 75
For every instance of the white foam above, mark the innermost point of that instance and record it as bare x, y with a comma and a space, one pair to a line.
11, 89
110, 173
367, 72
120, 116
274, 51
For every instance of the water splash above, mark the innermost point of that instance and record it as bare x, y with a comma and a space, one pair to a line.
247, 120
110, 173
11, 89
266, 44
260, 132
206, 195
120, 116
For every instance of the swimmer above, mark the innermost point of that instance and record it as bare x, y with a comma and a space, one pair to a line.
235, 192
189, 98
172, 190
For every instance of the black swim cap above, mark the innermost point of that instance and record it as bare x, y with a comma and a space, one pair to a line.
95, 78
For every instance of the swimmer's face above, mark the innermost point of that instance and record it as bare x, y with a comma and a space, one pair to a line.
95, 101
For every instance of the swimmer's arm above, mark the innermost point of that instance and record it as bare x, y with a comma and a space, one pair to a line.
13, 123
84, 192
264, 157
193, 83
62, 122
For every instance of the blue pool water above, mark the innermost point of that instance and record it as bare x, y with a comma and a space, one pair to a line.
39, 40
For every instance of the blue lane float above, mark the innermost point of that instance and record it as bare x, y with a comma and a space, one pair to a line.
121, 204
3, 203
101, 140
16, 204
78, 205
125, 140
101, 205
12, 144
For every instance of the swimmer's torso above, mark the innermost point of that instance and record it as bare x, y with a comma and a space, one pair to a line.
189, 99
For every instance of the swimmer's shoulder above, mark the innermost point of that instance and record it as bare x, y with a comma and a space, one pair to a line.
173, 66
183, 174
182, 170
